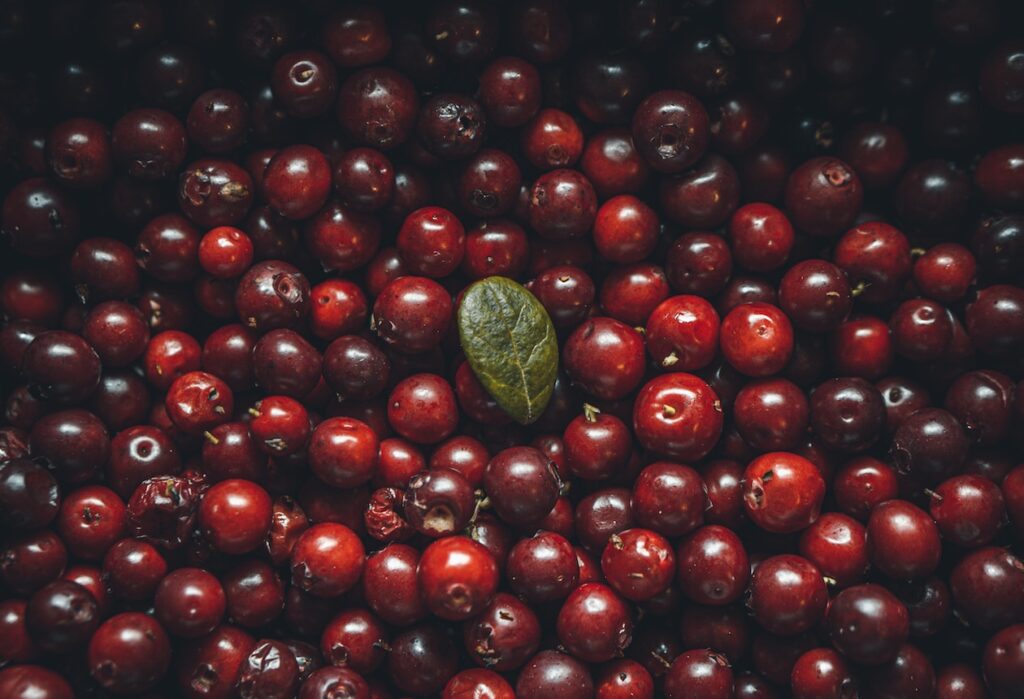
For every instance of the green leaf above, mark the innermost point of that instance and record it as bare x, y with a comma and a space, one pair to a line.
510, 344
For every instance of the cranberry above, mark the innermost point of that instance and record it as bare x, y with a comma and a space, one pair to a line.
438, 502
390, 587
562, 205
543, 568
522, 485
669, 498
788, 594
412, 314
198, 401
631, 293
862, 346
782, 492
129, 653
702, 671
327, 559
713, 566
272, 294
254, 593
837, 545
868, 624
594, 623
422, 659
929, 446
757, 339
968, 510
994, 320
190, 602
355, 639
163, 509
671, 400
148, 143
271, 670
823, 196
638, 563
504, 635
61, 367
211, 666
234, 515
451, 126
133, 569
553, 672
822, 672
422, 408
1001, 664
343, 452
41, 219
772, 414
986, 588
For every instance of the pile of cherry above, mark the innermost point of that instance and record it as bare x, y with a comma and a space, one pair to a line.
243, 455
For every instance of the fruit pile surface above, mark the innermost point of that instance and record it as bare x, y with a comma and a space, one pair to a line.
539, 349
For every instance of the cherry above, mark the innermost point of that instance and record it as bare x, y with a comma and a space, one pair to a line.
543, 568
